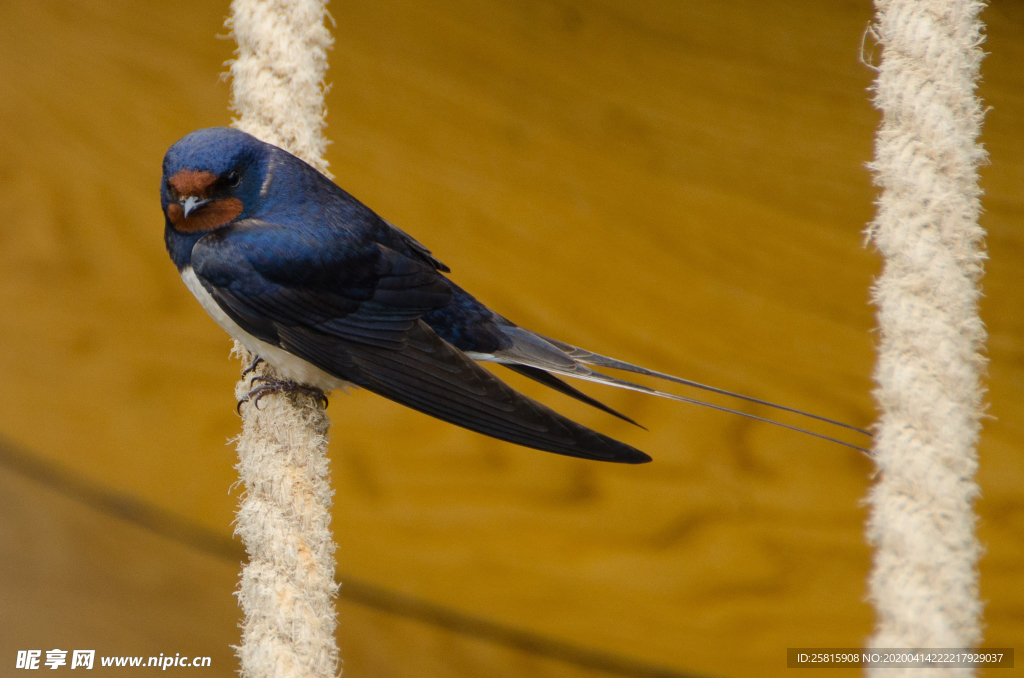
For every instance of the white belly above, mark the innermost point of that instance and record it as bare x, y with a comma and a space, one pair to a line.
287, 365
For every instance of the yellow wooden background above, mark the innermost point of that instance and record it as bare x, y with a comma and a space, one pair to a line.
679, 184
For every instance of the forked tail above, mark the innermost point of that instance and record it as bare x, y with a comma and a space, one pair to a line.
550, 355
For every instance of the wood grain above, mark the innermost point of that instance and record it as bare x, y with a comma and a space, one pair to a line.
675, 184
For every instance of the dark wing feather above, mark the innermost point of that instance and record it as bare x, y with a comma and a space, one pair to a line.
433, 377
265, 276
354, 311
561, 386
420, 249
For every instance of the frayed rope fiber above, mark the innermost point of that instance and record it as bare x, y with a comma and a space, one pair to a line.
287, 589
924, 584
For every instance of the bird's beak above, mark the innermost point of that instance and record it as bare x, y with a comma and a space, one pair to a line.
190, 204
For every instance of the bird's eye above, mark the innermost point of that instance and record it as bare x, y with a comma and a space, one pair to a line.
233, 178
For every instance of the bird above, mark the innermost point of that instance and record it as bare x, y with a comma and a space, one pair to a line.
330, 294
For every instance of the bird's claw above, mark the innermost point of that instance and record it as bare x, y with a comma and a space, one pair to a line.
271, 385
252, 366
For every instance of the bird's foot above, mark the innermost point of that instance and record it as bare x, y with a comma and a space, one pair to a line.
252, 366
269, 386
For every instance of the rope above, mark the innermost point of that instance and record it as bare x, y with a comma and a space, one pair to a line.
287, 589
924, 584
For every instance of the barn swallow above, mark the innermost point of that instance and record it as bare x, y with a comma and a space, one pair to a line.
311, 280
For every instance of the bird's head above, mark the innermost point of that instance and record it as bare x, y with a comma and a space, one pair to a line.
211, 178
